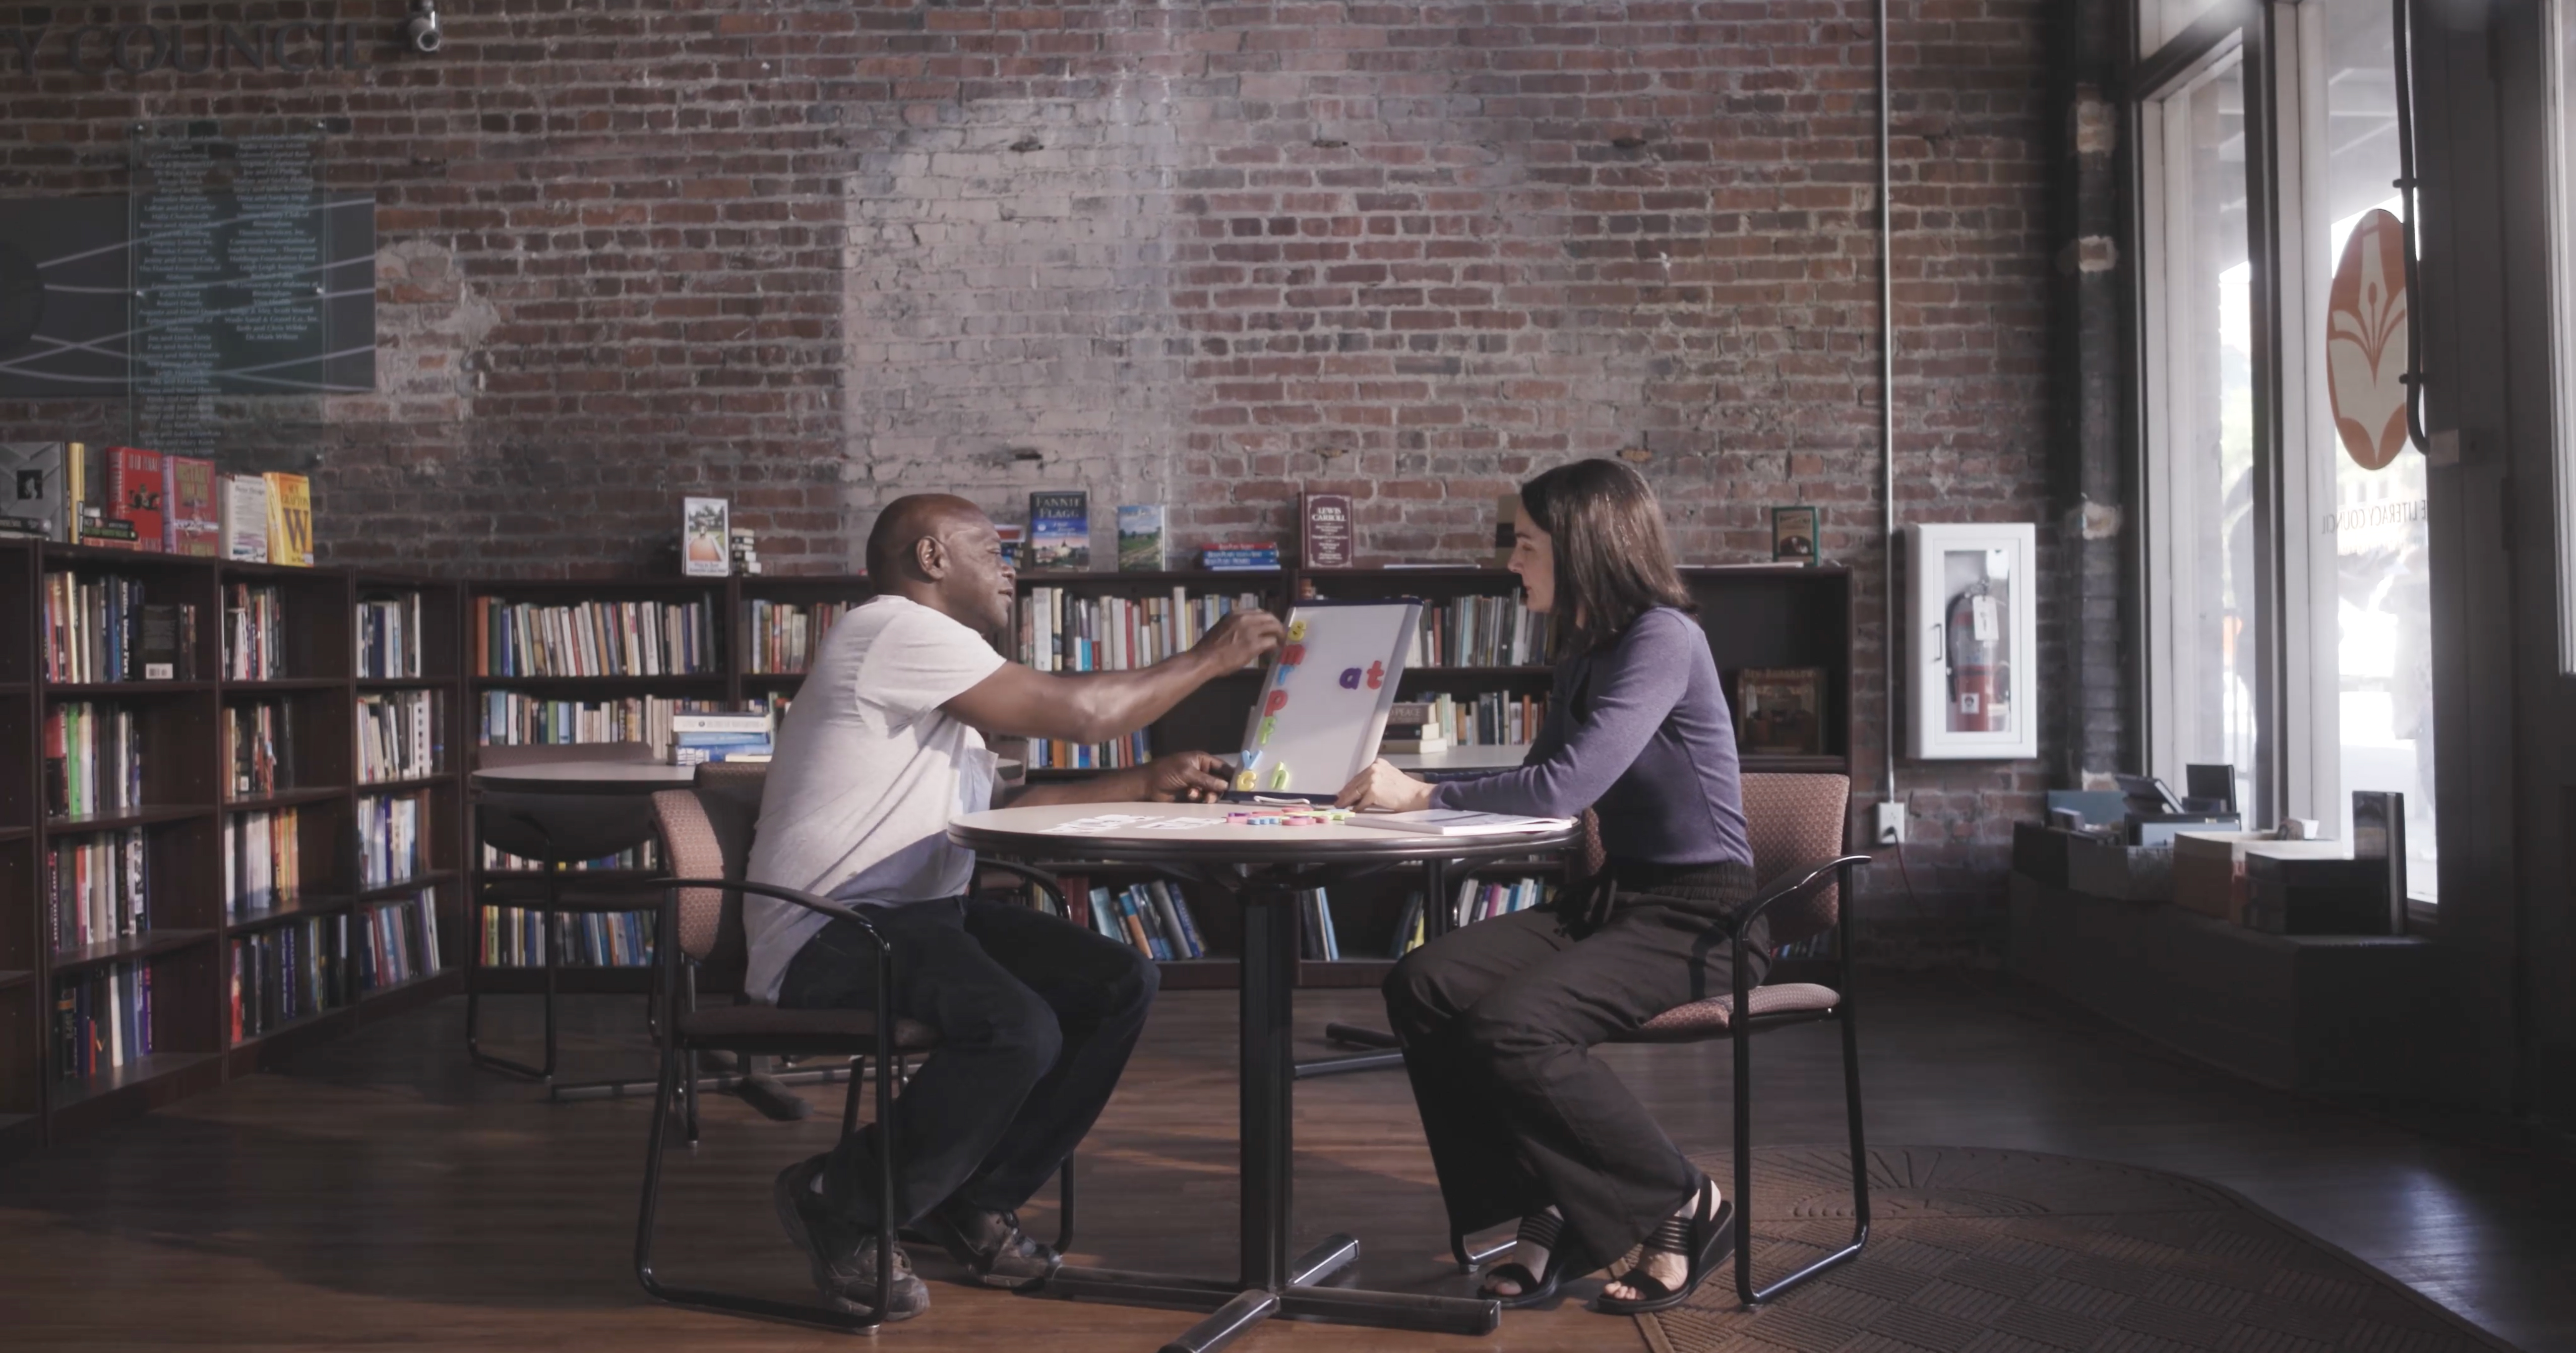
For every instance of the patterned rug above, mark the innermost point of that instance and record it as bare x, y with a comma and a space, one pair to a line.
1975, 1251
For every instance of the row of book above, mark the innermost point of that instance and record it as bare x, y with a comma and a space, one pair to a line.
1135, 749
512, 938
393, 838
263, 861
1067, 631
593, 638
254, 633
102, 1019
259, 749
1485, 719
130, 498
1480, 900
391, 630
395, 942
1153, 918
93, 759
1482, 632
106, 629
1316, 938
514, 718
95, 888
398, 736
780, 636
700, 738
286, 973
641, 857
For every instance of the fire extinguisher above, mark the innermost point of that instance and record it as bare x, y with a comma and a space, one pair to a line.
1977, 680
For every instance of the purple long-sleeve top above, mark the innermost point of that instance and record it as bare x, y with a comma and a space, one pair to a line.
1654, 751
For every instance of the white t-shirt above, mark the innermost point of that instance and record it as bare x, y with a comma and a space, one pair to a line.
869, 769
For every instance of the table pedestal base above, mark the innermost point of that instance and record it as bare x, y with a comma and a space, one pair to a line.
1233, 1310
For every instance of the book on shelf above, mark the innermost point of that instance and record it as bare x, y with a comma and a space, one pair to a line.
594, 638
290, 519
1125, 753
93, 760
514, 937
390, 632
191, 523
398, 737
1153, 918
1413, 726
1014, 538
394, 942
1240, 556
241, 517
692, 749
1065, 630
515, 718
1485, 719
97, 888
1060, 530
1326, 540
254, 632
1140, 538
393, 838
706, 537
263, 861
96, 630
1409, 928
34, 505
1480, 900
1507, 513
134, 497
285, 973
782, 637
102, 1020
1316, 937
1482, 632
258, 749
1779, 711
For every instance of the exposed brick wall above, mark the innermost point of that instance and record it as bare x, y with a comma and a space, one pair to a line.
811, 256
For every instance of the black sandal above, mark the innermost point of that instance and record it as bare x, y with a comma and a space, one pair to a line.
1706, 1238
1543, 1229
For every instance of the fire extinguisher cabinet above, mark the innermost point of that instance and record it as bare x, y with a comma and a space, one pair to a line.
1974, 645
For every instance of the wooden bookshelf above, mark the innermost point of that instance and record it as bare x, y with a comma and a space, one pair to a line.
1756, 617
187, 804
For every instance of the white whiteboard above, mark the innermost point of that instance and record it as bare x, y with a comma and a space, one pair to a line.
1323, 702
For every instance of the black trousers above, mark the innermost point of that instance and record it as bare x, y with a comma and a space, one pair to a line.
1498, 1020
1035, 1016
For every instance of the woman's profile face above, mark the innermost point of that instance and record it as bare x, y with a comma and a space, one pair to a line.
1534, 559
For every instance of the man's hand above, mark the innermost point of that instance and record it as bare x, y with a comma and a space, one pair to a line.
1383, 788
1184, 777
1239, 638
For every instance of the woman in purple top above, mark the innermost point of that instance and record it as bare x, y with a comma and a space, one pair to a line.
1498, 1018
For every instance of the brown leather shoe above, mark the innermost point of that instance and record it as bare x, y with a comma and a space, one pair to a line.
844, 1261
991, 1245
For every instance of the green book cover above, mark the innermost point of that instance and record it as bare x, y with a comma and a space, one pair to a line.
1140, 539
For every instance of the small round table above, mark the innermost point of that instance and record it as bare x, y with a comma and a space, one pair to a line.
585, 777
1262, 869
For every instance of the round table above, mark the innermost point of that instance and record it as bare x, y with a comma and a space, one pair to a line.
585, 777
1261, 869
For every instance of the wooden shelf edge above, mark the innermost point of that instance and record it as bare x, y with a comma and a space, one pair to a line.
69, 1096
366, 787
299, 1024
405, 887
404, 683
280, 685
316, 904
136, 817
17, 977
69, 689
285, 798
149, 944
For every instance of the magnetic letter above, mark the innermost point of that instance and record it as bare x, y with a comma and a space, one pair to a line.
1350, 678
1377, 675
1277, 701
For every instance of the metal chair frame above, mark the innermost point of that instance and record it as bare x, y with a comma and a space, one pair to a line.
1742, 1025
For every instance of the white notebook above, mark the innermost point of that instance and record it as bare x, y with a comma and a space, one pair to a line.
1458, 822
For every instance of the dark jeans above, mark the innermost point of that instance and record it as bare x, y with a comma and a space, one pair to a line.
1035, 1016
1498, 1020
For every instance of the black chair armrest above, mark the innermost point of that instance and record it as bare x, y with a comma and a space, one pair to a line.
1796, 883
1047, 883
808, 901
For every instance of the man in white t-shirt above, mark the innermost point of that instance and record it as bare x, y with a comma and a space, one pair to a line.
1036, 1015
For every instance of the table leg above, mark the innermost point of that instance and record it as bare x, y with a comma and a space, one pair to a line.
1268, 1073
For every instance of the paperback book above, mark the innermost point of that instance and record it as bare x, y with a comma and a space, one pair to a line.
241, 518
1327, 542
1060, 530
190, 524
134, 496
1140, 538
290, 520
705, 537
34, 504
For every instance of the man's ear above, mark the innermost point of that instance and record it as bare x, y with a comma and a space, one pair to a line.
930, 555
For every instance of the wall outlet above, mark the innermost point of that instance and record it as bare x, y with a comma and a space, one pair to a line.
1890, 827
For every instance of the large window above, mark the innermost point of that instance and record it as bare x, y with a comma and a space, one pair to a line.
2204, 601
2312, 677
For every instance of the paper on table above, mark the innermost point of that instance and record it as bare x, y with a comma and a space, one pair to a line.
1130, 822
1459, 822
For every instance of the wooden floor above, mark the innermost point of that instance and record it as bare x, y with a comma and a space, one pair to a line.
382, 1194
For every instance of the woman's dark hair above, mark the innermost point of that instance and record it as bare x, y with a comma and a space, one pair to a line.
1613, 562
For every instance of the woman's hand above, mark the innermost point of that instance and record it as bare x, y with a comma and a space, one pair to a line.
1383, 788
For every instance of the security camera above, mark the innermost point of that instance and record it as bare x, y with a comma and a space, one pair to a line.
421, 31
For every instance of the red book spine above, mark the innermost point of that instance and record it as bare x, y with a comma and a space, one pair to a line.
134, 484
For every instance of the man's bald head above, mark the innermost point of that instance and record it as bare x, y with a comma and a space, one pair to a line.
909, 520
